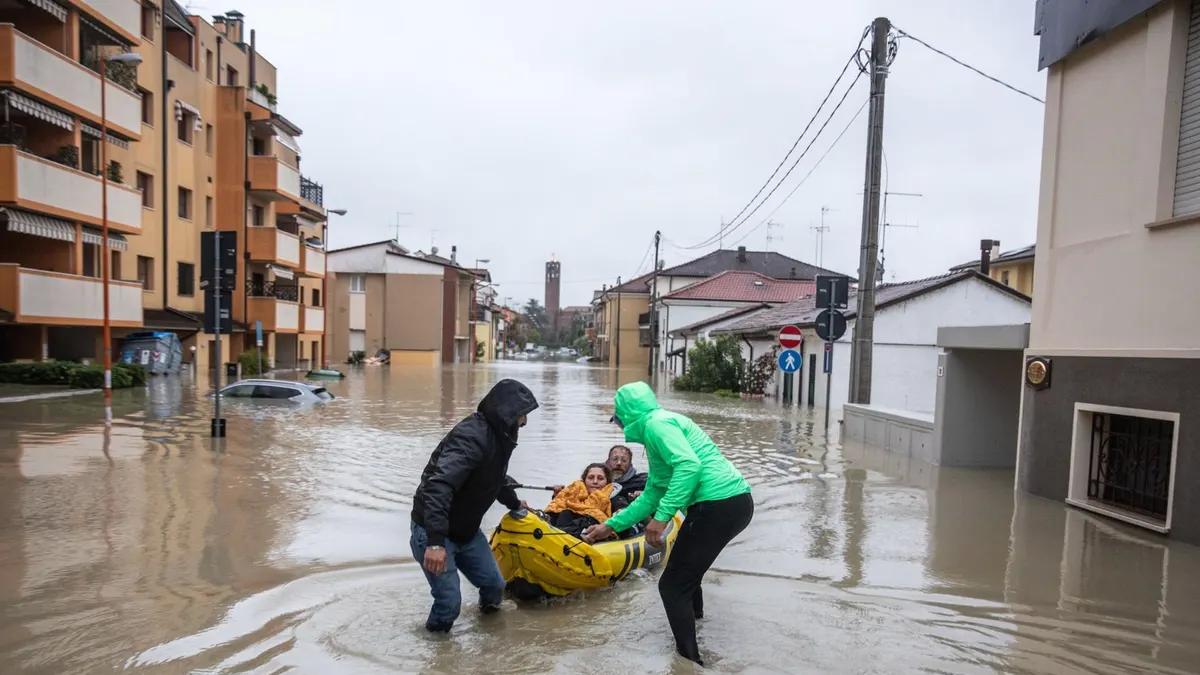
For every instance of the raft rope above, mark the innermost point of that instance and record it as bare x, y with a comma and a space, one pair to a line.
568, 551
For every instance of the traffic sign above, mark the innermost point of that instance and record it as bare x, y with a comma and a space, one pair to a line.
831, 325
790, 337
258, 333
828, 366
833, 291
789, 360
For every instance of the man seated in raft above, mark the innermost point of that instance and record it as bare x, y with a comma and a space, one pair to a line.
583, 503
631, 483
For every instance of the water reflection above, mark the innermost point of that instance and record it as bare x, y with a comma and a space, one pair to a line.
151, 548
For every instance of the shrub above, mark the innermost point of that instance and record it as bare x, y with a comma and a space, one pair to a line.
760, 372
249, 363
71, 374
725, 393
137, 373
712, 365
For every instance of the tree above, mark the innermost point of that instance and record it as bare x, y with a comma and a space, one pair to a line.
760, 372
714, 365
536, 315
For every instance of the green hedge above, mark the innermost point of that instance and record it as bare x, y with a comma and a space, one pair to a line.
72, 374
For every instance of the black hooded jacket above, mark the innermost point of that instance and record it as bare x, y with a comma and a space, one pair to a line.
467, 471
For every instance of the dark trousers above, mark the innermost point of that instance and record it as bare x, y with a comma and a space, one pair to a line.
474, 559
707, 529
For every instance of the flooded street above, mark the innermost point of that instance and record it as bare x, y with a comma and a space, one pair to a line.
146, 550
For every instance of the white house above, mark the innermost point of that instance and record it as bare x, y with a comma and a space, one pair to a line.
905, 351
713, 297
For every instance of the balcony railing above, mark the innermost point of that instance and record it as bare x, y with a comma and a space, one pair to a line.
38, 296
269, 174
312, 191
313, 264
271, 289
314, 320
52, 185
124, 14
273, 245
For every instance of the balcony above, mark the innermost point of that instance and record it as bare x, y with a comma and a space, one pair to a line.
37, 296
314, 320
276, 306
54, 78
42, 185
272, 245
312, 191
123, 15
274, 179
312, 262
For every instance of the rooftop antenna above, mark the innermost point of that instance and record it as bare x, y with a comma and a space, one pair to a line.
398, 225
770, 238
721, 234
884, 227
819, 231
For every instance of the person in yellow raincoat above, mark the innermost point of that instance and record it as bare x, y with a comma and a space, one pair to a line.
584, 503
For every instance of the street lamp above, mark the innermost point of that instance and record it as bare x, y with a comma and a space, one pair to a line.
106, 257
324, 296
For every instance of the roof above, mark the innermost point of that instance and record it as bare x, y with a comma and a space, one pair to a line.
768, 263
739, 286
635, 285
804, 312
432, 259
1013, 256
393, 242
575, 309
694, 328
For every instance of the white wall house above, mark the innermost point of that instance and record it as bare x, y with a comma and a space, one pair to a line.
904, 371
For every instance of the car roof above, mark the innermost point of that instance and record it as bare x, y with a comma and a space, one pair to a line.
281, 383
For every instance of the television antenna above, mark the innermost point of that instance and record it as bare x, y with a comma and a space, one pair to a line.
770, 238
819, 232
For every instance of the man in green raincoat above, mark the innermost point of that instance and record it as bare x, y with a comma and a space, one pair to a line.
687, 473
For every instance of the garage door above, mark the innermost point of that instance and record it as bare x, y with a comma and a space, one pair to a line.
358, 340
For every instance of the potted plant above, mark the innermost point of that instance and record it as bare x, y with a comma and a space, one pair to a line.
114, 171
68, 155
262, 89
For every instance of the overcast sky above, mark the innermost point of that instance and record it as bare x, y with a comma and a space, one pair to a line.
522, 129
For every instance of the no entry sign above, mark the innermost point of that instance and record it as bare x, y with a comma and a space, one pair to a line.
789, 337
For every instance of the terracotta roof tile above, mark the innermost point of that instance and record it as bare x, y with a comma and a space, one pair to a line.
738, 286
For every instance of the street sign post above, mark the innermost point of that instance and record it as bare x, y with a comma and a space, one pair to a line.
258, 344
828, 357
789, 361
833, 292
790, 337
218, 278
831, 325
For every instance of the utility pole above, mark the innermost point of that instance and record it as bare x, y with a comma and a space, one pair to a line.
864, 325
653, 308
618, 286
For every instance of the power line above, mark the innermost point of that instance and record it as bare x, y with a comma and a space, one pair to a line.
644, 258
966, 65
829, 149
729, 227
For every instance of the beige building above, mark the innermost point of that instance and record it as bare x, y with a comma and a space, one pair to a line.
1109, 410
181, 152
617, 313
1011, 268
384, 297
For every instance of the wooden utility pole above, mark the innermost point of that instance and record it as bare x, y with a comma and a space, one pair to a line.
864, 324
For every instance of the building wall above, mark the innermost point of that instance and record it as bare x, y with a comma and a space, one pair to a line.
337, 316
632, 355
673, 316
413, 307
376, 311
1018, 276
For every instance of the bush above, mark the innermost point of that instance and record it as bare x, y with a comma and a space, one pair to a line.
725, 393
71, 374
712, 365
760, 373
249, 363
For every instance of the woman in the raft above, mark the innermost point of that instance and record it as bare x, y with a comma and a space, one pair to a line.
583, 503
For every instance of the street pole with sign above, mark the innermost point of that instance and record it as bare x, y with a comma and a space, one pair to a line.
833, 293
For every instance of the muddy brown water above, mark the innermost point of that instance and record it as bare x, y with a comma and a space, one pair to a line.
147, 550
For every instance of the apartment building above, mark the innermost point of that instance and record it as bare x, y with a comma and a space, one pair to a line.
1012, 268
416, 305
617, 313
1109, 409
195, 143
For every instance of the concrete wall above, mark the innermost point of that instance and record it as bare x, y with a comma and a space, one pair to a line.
414, 312
898, 431
979, 405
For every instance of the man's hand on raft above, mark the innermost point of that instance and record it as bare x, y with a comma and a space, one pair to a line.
654, 532
597, 533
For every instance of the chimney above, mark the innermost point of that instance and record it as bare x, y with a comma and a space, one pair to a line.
741, 254
454, 254
233, 26
793, 272
219, 24
988, 249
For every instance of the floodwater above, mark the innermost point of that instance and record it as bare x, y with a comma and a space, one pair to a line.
148, 550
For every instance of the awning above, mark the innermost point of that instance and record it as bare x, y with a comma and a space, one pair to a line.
307, 222
95, 26
282, 272
94, 132
40, 110
287, 140
53, 8
37, 225
94, 236
181, 108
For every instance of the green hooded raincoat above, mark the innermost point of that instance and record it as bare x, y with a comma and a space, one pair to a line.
685, 466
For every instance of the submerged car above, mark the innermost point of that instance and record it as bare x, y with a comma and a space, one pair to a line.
278, 390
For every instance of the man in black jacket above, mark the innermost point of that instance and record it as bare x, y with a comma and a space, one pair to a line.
465, 474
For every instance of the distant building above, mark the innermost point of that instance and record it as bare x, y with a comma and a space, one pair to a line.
553, 288
1013, 268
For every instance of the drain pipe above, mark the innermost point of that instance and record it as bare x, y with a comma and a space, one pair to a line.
167, 86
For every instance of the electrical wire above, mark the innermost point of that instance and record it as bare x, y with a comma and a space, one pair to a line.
966, 65
729, 227
645, 257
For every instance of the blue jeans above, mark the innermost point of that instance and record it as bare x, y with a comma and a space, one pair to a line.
474, 559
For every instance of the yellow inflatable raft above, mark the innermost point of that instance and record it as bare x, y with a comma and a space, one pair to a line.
538, 560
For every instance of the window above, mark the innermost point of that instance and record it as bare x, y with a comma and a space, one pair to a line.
1187, 189
260, 147
316, 297
239, 391
148, 22
146, 272
145, 183
231, 76
114, 269
358, 283
187, 279
257, 215
208, 211
208, 138
185, 203
208, 64
276, 392
185, 126
90, 155
1004, 277
147, 106
91, 268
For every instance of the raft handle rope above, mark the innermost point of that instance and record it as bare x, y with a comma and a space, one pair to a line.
568, 550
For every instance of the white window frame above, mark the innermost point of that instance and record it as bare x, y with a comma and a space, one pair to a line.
1081, 448
358, 283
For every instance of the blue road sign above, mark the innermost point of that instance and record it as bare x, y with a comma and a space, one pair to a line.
828, 357
789, 360
258, 333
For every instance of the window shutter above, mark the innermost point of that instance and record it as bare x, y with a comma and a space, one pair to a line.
1187, 167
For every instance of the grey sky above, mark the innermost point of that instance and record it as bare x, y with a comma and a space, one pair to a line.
521, 129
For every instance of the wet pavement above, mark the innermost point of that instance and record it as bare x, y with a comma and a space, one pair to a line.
146, 550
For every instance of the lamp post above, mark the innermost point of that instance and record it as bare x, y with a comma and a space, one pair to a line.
324, 292
105, 256
474, 304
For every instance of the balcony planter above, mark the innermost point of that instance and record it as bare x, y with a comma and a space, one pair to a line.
114, 172
262, 89
68, 155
